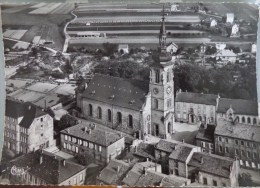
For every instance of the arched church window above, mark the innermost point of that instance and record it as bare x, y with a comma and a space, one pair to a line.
119, 117
248, 120
157, 76
254, 121
109, 115
243, 120
99, 113
169, 128
130, 120
90, 110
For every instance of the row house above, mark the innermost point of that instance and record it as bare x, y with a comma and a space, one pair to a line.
205, 138
195, 107
102, 145
39, 168
240, 141
27, 127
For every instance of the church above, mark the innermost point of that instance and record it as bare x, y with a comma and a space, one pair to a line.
133, 106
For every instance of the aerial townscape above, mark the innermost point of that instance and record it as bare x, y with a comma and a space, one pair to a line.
131, 93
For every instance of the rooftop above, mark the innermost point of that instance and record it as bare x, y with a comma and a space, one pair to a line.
212, 164
117, 91
27, 111
114, 172
240, 106
93, 133
51, 169
197, 98
226, 53
238, 130
206, 134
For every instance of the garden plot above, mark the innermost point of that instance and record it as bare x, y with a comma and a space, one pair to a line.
14, 34
15, 9
46, 9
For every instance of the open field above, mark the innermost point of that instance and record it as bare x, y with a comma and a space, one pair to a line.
14, 34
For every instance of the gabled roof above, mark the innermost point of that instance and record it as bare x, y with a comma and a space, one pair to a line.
240, 106
114, 172
145, 150
116, 91
181, 153
197, 98
16, 109
50, 170
93, 134
238, 130
212, 164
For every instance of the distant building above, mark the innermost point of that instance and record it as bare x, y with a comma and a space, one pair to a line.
27, 127
102, 145
253, 48
205, 138
43, 169
230, 18
237, 140
172, 155
195, 107
213, 23
226, 56
235, 31
123, 48
174, 8
213, 170
220, 46
172, 48
239, 110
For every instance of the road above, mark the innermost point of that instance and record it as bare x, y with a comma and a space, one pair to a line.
67, 37
138, 31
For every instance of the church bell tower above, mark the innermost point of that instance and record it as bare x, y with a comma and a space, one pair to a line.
162, 89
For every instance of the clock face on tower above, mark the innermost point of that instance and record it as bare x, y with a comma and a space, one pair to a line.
155, 91
169, 90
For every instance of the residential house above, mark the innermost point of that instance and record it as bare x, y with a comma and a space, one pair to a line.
42, 169
213, 170
123, 48
225, 56
240, 110
172, 48
27, 127
101, 144
238, 140
195, 107
205, 138
230, 18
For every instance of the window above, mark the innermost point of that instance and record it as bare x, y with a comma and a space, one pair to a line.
157, 76
226, 149
169, 128
254, 121
205, 182
156, 106
242, 153
247, 144
81, 177
79, 142
236, 151
74, 140
220, 139
90, 110
41, 119
236, 142
215, 183
203, 144
254, 145
210, 146
99, 148
243, 119
99, 113
254, 155
224, 185
168, 77
64, 145
226, 139
130, 121
220, 149
242, 143
77, 149
119, 117
248, 120
109, 115
248, 154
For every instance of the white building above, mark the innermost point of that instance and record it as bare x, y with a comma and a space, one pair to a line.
124, 48
230, 18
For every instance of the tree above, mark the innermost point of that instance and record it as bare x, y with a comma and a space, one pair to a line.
85, 158
67, 121
68, 68
109, 48
211, 50
245, 180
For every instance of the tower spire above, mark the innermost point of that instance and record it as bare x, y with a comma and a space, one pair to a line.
162, 35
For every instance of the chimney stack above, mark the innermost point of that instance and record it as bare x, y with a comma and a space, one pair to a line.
117, 169
147, 159
41, 159
182, 140
64, 162
174, 147
201, 160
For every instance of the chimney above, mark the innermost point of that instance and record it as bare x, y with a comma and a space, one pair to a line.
89, 131
41, 158
144, 171
230, 168
117, 169
63, 162
201, 160
182, 140
147, 159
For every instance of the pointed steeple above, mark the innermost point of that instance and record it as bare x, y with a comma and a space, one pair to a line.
162, 35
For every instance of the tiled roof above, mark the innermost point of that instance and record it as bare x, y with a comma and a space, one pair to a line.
240, 106
212, 164
117, 91
50, 170
170, 145
114, 172
145, 150
197, 98
206, 134
93, 134
181, 153
28, 111
173, 180
237, 130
